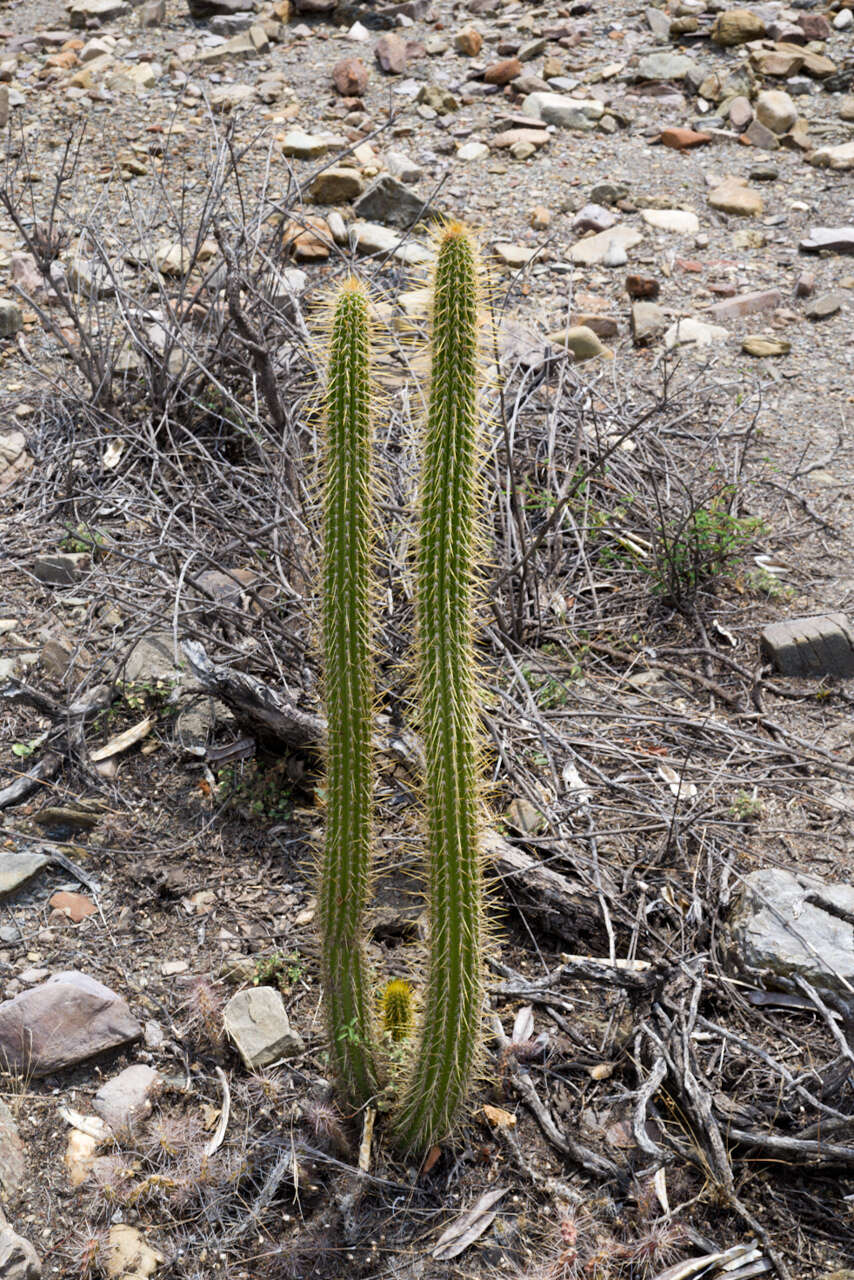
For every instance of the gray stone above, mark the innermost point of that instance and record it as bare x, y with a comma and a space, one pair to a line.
594, 217
835, 239
840, 157
826, 305
648, 321
63, 568
818, 646
665, 66
126, 1099
746, 304
209, 8
152, 658
257, 1022
231, 24
11, 318
786, 923
18, 1258
594, 250
17, 868
67, 1019
563, 111
390, 202
775, 109
152, 13
13, 1160
758, 135
4, 105
740, 113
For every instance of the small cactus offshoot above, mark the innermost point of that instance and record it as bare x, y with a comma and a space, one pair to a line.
396, 1005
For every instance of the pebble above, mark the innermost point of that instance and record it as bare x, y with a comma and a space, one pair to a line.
514, 256
734, 196
757, 345
665, 66
683, 139
350, 77
693, 332
11, 318
642, 287
747, 304
67, 1019
594, 250
473, 151
840, 157
594, 217
539, 218
648, 322
126, 1099
18, 868
392, 53
563, 111
740, 113
824, 306
503, 72
581, 341
776, 110
682, 221
337, 186
468, 42
256, 1021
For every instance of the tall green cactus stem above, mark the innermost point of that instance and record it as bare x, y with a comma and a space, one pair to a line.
451, 1026
346, 866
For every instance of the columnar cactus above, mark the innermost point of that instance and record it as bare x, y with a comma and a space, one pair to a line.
346, 865
451, 1026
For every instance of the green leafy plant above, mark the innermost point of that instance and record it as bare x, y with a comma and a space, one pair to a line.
278, 970
256, 789
702, 544
450, 1032
346, 863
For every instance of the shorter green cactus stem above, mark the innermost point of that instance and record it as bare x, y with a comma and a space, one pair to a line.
346, 865
451, 1027
396, 1006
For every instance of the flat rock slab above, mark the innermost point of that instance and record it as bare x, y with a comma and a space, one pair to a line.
819, 646
13, 1160
17, 868
786, 924
257, 1021
67, 1019
594, 249
18, 1258
834, 239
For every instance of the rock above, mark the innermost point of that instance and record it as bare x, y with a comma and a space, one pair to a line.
468, 41
225, 97
581, 341
786, 923
594, 217
840, 157
502, 73
13, 1160
11, 318
76, 907
402, 167
761, 137
17, 868
83, 12
391, 203
126, 1099
172, 258
682, 221
776, 110
4, 105
817, 646
210, 8
304, 146
350, 77
151, 659
846, 109
540, 218
514, 256
63, 568
372, 238
760, 347
835, 239
524, 817
152, 13
805, 285
337, 186
510, 138
736, 197
815, 26
843, 20
665, 66
563, 111
594, 250
747, 304
740, 113
825, 306
67, 1019
18, 1258
391, 53
642, 287
438, 99
683, 139
256, 1020
648, 321
737, 26
693, 332
129, 1256
473, 151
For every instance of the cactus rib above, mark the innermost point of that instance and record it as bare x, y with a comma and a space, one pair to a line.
346, 865
451, 1026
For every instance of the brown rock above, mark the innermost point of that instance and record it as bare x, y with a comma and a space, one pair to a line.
642, 287
539, 218
336, 186
391, 53
683, 139
773, 63
310, 239
815, 26
509, 138
13, 1161
757, 135
350, 77
740, 113
74, 906
67, 1019
503, 72
747, 304
734, 196
469, 42
737, 26
805, 286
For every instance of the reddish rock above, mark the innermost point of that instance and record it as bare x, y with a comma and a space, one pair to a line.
350, 77
74, 906
642, 287
503, 72
683, 139
690, 264
805, 286
391, 53
468, 42
747, 304
815, 26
